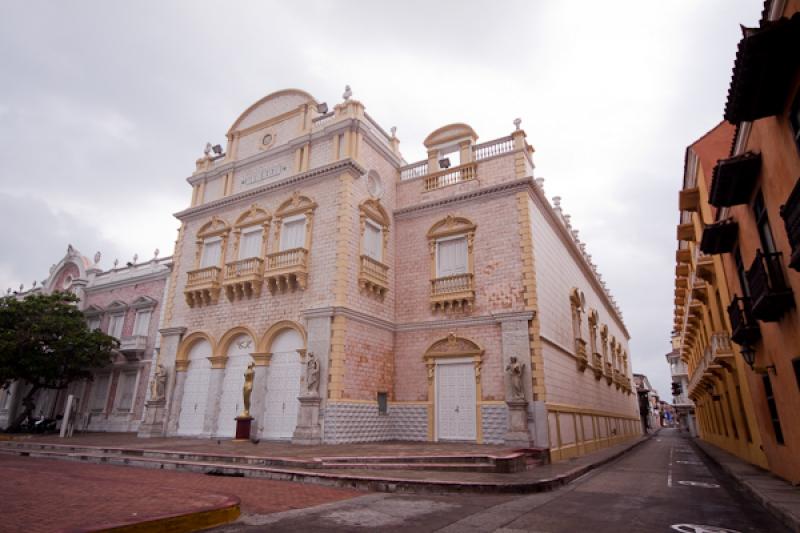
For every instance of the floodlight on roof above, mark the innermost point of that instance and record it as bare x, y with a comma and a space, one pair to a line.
444, 162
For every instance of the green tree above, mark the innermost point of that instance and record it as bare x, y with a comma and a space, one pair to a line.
46, 343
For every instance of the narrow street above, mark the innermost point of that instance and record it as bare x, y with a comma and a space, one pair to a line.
658, 486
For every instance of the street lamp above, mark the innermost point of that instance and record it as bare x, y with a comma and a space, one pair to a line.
749, 355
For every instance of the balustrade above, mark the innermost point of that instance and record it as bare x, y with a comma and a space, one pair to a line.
493, 148
287, 269
450, 176
456, 291
373, 276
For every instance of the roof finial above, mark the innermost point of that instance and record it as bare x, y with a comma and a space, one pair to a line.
347, 93
393, 129
517, 122
155, 253
97, 257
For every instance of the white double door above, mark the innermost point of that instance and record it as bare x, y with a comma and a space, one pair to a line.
195, 390
283, 388
455, 401
231, 402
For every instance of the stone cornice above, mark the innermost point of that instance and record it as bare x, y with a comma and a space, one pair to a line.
503, 189
365, 318
173, 331
101, 285
345, 165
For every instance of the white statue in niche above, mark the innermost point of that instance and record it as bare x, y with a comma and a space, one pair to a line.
515, 371
159, 385
312, 374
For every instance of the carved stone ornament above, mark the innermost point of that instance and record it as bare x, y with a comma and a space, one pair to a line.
515, 371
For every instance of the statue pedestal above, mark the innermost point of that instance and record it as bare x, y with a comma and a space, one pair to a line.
243, 427
308, 430
155, 415
517, 434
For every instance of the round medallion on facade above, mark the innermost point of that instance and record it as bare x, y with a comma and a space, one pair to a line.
267, 140
374, 184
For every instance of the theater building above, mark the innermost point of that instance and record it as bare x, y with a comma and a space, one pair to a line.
444, 300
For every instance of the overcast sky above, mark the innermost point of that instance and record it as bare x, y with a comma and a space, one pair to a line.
104, 106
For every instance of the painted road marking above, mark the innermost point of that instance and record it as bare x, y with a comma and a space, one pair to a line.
697, 528
669, 470
699, 484
695, 463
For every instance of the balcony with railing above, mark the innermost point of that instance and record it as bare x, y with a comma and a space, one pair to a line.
700, 372
453, 292
450, 176
203, 286
733, 180
721, 347
287, 270
744, 328
244, 278
373, 276
133, 346
608, 372
790, 212
719, 237
770, 294
597, 365
679, 368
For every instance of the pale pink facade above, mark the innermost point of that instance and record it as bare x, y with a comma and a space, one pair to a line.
124, 302
412, 285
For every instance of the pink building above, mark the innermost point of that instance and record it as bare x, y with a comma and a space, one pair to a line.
442, 300
125, 303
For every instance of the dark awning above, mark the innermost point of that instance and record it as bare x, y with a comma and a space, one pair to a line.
766, 62
733, 180
720, 237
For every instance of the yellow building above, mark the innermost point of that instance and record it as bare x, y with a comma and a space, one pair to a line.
717, 380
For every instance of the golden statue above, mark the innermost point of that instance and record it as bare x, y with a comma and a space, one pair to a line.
247, 389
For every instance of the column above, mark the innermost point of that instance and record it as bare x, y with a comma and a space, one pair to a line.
258, 399
522, 413
215, 378
166, 422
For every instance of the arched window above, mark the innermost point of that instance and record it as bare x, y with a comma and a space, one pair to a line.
452, 263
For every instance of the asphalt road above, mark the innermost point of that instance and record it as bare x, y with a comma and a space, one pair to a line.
662, 485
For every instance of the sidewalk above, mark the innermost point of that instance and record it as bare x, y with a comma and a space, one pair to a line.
776, 495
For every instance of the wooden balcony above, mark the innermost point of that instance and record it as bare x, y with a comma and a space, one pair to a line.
244, 278
203, 286
745, 330
453, 292
734, 179
685, 232
689, 199
373, 276
720, 237
770, 294
450, 176
790, 213
287, 270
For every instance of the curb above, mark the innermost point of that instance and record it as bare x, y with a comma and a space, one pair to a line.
783, 515
212, 516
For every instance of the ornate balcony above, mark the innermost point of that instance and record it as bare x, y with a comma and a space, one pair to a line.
450, 176
608, 373
582, 358
721, 348
203, 286
133, 346
597, 366
453, 292
745, 330
719, 238
287, 270
770, 294
373, 276
244, 278
790, 212
734, 179
617, 378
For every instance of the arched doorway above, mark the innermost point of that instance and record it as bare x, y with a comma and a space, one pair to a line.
283, 385
231, 401
195, 391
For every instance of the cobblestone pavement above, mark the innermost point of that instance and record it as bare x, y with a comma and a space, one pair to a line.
656, 487
48, 495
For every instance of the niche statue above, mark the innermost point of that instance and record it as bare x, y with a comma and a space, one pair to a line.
247, 389
158, 386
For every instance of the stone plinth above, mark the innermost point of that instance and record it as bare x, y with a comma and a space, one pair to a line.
243, 424
308, 430
517, 434
155, 416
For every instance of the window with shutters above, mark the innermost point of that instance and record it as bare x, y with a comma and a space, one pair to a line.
93, 323
293, 234
250, 243
115, 325
452, 264
100, 392
142, 324
203, 283
244, 274
373, 277
125, 389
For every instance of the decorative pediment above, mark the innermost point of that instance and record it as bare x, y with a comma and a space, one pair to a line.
451, 225
93, 311
253, 216
449, 134
453, 346
373, 210
577, 299
272, 105
116, 307
214, 227
295, 205
144, 302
